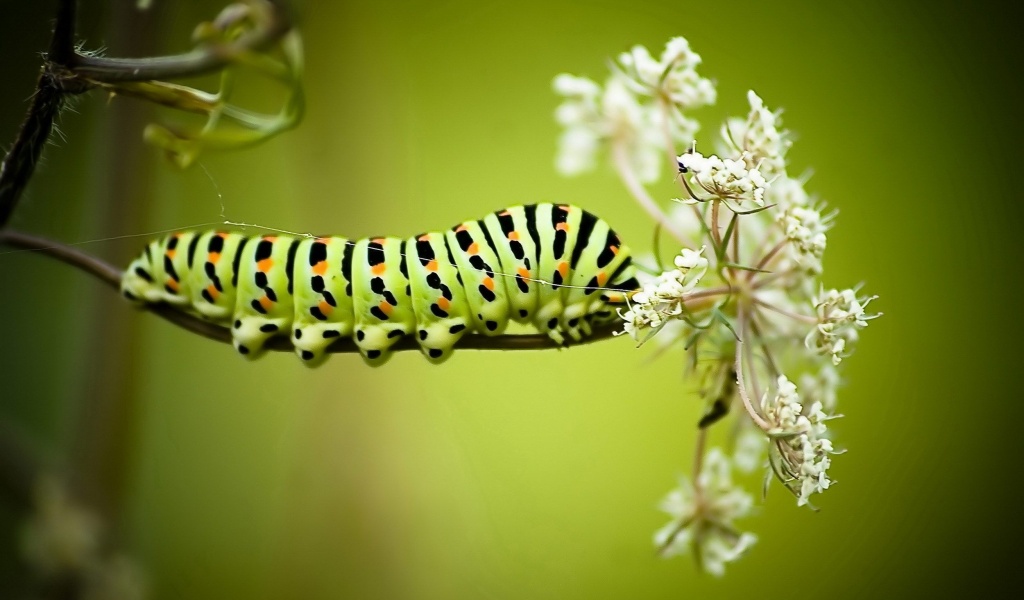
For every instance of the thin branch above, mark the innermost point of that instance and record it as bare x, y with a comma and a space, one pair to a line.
111, 276
66, 71
62, 45
20, 163
203, 60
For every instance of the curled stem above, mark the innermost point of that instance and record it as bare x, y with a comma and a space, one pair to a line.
274, 23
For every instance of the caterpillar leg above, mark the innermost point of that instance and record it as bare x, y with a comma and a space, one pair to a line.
213, 277
438, 296
381, 297
323, 297
264, 306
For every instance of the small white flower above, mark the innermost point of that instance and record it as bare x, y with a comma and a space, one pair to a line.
727, 179
662, 299
674, 77
639, 107
705, 516
759, 137
840, 315
800, 452
805, 227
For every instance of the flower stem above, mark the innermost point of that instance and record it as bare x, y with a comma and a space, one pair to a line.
767, 258
747, 404
639, 193
782, 311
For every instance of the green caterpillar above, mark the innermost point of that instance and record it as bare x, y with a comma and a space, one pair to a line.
554, 266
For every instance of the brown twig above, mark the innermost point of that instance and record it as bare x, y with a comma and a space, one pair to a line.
111, 276
67, 71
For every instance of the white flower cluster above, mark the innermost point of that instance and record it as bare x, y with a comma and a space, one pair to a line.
637, 111
725, 178
661, 300
801, 452
704, 516
786, 193
760, 136
840, 315
674, 75
805, 227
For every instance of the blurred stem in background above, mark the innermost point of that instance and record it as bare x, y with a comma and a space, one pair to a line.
72, 529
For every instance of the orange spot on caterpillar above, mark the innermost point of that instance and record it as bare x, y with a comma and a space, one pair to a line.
266, 303
443, 303
378, 269
378, 241
173, 285
563, 268
562, 227
265, 265
213, 257
513, 235
523, 272
423, 238
270, 238
171, 253
488, 283
614, 249
504, 213
320, 268
431, 266
325, 308
386, 308
602, 277
212, 290
460, 228
474, 248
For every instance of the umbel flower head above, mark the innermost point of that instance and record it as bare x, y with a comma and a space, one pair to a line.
641, 106
745, 299
703, 516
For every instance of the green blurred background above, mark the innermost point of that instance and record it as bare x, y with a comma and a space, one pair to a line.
531, 474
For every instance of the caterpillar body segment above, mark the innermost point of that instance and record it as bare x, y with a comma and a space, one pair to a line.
323, 296
264, 305
382, 299
213, 274
442, 309
517, 252
553, 266
476, 257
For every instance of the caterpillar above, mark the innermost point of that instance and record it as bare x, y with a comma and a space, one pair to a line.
556, 267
